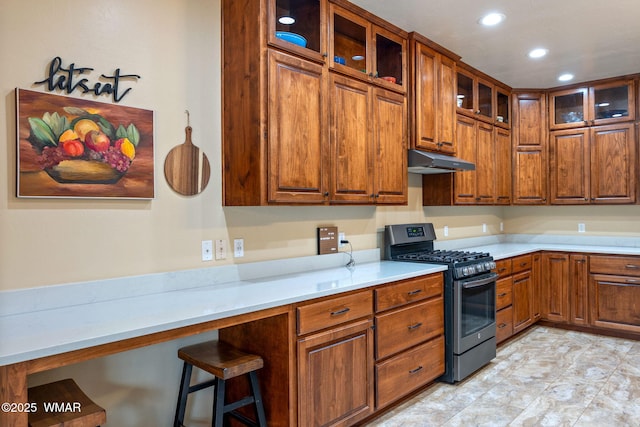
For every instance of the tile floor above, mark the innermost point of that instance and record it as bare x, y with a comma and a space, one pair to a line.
544, 377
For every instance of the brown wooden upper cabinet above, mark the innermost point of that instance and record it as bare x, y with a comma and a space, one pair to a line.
432, 97
599, 104
298, 26
364, 50
475, 96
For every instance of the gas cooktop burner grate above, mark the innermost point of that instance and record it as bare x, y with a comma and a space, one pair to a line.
443, 256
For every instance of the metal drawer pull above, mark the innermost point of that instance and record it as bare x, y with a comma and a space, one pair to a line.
502, 325
414, 292
504, 294
416, 326
632, 266
418, 369
339, 312
502, 269
631, 280
522, 264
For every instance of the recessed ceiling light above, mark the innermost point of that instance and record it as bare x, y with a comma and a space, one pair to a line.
286, 20
492, 19
565, 77
538, 53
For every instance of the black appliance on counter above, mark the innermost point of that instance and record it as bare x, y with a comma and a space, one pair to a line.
469, 296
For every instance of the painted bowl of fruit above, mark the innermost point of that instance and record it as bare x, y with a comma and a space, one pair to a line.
83, 148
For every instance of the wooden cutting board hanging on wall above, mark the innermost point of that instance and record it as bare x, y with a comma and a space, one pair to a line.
186, 167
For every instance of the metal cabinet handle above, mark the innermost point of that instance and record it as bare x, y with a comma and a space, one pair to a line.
632, 266
414, 292
418, 369
504, 294
415, 326
502, 325
339, 312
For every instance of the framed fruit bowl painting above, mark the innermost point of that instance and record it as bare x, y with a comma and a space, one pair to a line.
69, 147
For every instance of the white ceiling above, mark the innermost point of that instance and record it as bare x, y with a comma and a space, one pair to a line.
591, 39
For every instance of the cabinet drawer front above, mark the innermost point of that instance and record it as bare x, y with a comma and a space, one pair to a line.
503, 267
504, 292
324, 314
521, 263
406, 327
406, 372
617, 299
408, 291
504, 324
619, 265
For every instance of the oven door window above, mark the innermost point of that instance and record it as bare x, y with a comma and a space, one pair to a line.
474, 312
478, 308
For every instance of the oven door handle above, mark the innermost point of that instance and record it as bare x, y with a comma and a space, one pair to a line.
480, 282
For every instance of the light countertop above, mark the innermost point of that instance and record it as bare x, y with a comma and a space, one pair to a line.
50, 320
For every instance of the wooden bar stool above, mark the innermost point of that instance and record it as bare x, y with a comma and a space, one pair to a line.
63, 404
223, 361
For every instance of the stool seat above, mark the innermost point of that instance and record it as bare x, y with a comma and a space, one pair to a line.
66, 406
224, 362
220, 359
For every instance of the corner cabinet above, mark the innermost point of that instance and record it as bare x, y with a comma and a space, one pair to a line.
529, 148
295, 130
593, 165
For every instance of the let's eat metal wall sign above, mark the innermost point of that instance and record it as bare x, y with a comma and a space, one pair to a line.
70, 79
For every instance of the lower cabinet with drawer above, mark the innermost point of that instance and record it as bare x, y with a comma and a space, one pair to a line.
335, 360
409, 336
614, 292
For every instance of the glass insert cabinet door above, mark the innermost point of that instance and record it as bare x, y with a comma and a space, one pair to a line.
569, 108
613, 102
349, 37
297, 25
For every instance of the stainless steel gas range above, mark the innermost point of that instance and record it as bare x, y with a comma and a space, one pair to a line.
469, 296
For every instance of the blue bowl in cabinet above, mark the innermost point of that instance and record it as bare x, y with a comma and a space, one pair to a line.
292, 38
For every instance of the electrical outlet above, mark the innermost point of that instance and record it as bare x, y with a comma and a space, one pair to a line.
501, 226
484, 228
207, 250
446, 230
341, 237
581, 228
221, 249
238, 248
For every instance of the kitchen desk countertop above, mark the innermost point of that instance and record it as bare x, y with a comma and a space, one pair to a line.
65, 321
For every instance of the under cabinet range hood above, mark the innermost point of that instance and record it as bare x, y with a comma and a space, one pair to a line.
424, 162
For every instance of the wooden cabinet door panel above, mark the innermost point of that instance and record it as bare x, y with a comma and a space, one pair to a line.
579, 279
502, 166
569, 166
351, 151
426, 98
522, 301
614, 302
297, 125
447, 105
530, 177
536, 273
555, 297
465, 182
336, 375
613, 164
485, 164
390, 147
